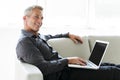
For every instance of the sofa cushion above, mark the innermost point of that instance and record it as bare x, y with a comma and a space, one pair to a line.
66, 47
113, 52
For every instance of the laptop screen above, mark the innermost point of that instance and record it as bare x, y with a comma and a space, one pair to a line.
98, 52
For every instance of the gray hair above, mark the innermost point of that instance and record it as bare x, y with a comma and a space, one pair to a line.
31, 8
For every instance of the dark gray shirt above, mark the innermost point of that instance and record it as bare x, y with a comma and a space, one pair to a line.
35, 50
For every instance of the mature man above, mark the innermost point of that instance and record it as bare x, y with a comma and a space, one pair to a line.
32, 48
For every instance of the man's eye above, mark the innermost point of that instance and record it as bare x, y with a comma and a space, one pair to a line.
41, 17
36, 17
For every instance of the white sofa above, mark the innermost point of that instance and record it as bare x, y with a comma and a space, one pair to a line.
66, 48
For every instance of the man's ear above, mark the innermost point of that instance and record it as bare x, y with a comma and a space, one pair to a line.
24, 17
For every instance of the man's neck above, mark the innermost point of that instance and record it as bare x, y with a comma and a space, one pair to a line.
31, 31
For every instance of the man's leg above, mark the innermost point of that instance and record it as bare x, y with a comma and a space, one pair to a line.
104, 73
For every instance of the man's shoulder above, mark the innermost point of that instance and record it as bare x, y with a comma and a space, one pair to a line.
23, 39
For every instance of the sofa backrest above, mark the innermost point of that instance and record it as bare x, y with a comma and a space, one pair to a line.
66, 47
113, 52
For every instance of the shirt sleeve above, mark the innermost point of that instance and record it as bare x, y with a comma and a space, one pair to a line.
66, 35
28, 52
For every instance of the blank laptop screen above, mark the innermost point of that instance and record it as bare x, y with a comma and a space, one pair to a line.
97, 52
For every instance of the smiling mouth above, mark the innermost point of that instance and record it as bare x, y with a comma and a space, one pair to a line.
37, 24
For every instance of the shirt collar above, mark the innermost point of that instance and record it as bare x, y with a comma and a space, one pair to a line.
28, 34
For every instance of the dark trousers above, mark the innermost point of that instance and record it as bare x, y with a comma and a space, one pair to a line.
107, 71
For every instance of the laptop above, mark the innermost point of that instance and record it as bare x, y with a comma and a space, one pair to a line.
96, 56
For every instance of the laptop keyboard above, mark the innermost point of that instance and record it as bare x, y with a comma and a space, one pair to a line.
88, 64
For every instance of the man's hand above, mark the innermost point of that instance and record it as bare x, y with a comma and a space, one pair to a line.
76, 60
75, 38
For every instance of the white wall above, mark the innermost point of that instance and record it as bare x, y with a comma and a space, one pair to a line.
97, 16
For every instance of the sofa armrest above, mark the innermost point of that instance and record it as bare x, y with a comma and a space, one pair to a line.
25, 71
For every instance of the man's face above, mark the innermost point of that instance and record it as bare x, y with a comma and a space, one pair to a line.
34, 21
